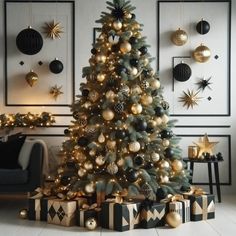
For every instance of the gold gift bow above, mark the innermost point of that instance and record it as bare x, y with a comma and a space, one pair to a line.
94, 206
40, 193
195, 191
172, 198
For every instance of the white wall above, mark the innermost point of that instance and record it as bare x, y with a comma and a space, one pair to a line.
87, 11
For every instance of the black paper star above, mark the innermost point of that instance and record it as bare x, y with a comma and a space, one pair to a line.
204, 83
118, 12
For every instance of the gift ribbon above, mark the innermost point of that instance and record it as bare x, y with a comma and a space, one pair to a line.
172, 198
37, 208
195, 191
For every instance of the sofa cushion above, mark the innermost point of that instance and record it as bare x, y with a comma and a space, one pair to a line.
9, 152
16, 176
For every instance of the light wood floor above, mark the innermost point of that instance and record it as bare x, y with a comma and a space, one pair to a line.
11, 225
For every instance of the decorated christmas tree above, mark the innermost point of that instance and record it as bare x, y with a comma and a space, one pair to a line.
121, 140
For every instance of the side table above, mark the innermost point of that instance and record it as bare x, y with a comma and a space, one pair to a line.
216, 168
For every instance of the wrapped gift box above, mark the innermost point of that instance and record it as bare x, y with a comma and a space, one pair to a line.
83, 214
182, 206
61, 212
120, 216
153, 215
202, 207
38, 208
81, 201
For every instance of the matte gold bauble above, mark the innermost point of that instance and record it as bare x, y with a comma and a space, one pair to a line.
82, 172
136, 26
125, 47
146, 100
146, 61
165, 119
177, 165
173, 219
100, 160
155, 157
202, 54
111, 144
134, 146
136, 109
110, 95
88, 165
23, 213
31, 78
108, 114
117, 25
89, 188
91, 224
101, 138
100, 58
164, 164
134, 71
71, 195
112, 168
120, 162
165, 142
179, 37
101, 77
136, 89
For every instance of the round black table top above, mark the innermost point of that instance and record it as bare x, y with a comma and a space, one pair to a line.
201, 161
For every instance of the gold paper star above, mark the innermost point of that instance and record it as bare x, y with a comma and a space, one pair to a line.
190, 98
53, 30
56, 91
205, 145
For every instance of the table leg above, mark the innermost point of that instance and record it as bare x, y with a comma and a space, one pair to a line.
191, 172
210, 178
217, 181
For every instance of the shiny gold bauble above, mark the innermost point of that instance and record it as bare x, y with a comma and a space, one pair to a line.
179, 37
134, 71
202, 54
110, 95
112, 168
155, 157
164, 179
120, 162
31, 78
117, 25
177, 165
152, 123
100, 160
82, 172
88, 165
136, 89
23, 213
173, 219
89, 188
146, 100
101, 77
108, 114
136, 109
165, 119
100, 58
136, 26
125, 47
101, 138
60, 170
128, 15
165, 142
111, 144
57, 181
71, 195
164, 164
134, 146
91, 223
146, 61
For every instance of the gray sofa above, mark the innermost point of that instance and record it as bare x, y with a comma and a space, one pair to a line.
18, 180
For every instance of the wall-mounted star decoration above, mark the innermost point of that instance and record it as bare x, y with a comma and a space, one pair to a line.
55, 91
204, 83
190, 98
53, 30
205, 146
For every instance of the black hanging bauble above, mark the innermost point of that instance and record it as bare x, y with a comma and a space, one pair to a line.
140, 125
29, 41
95, 110
66, 131
121, 69
115, 47
131, 175
166, 134
65, 180
203, 27
75, 115
161, 193
134, 62
133, 16
120, 134
119, 107
133, 40
83, 141
169, 153
143, 50
182, 72
56, 66
71, 164
85, 92
145, 73
93, 51
138, 160
159, 111
149, 165
150, 128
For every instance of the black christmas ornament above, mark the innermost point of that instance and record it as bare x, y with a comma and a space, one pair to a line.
56, 66
204, 83
133, 16
150, 128
149, 165
219, 156
121, 69
138, 160
134, 62
71, 164
145, 73
96, 110
165, 105
159, 111
182, 72
111, 83
115, 47
166, 134
169, 153
203, 27
75, 115
66, 131
120, 134
119, 107
133, 40
93, 51
131, 175
143, 50
29, 41
65, 180
140, 125
161, 193
85, 92
83, 141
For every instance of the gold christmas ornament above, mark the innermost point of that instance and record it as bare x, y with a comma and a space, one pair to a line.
100, 160
146, 61
179, 37
134, 71
204, 145
190, 98
23, 213
173, 219
101, 77
155, 83
31, 78
164, 179
89, 188
136, 89
165, 119
112, 168
82, 172
146, 100
88, 165
165, 142
158, 120
110, 95
202, 54
134, 146
101, 138
55, 91
125, 47
100, 58
164, 164
93, 96
117, 25
155, 157
53, 30
177, 165
91, 224
108, 114
120, 162
136, 109
111, 144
